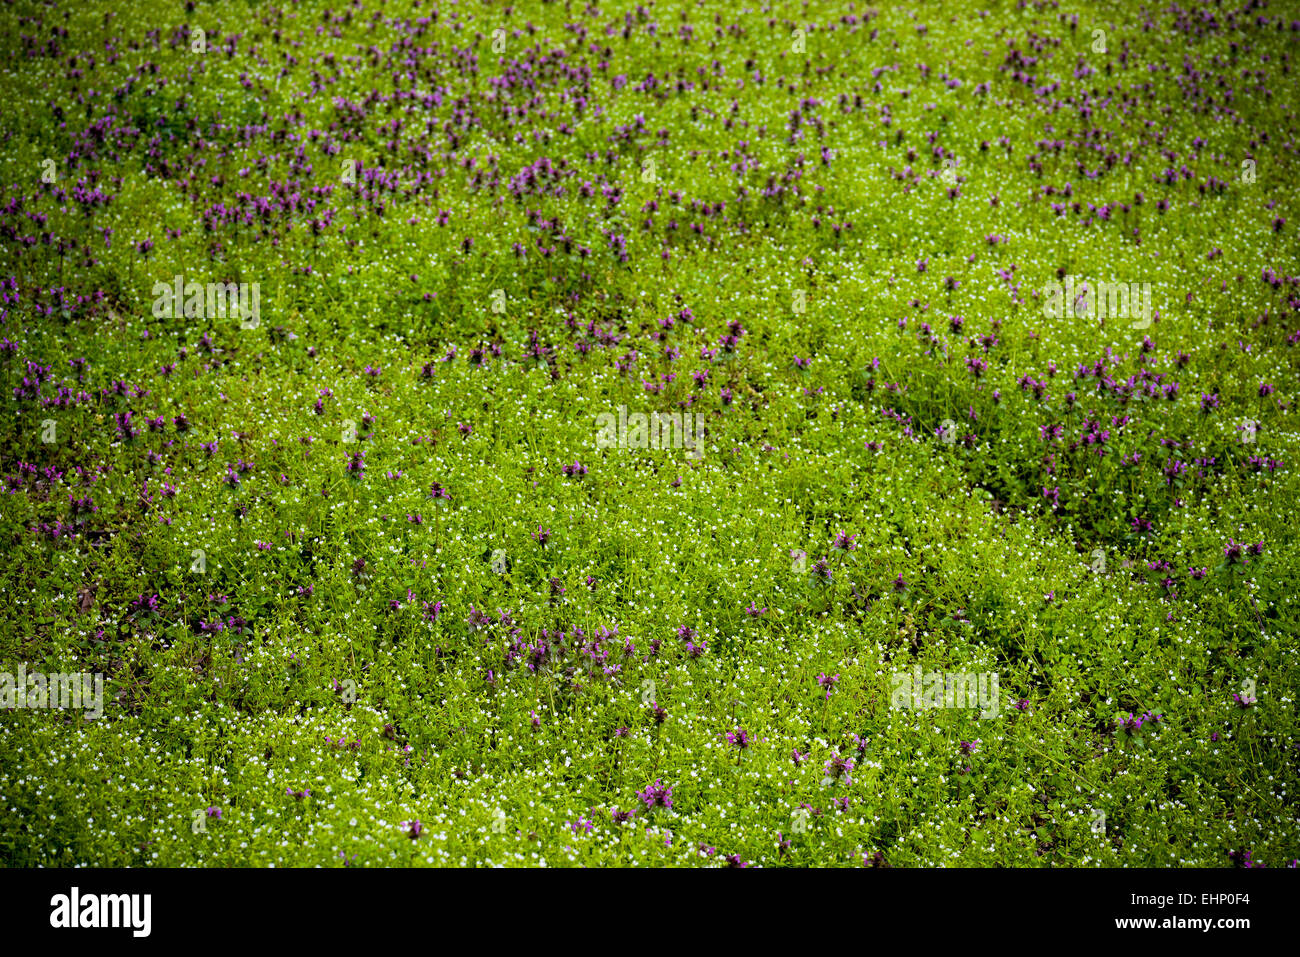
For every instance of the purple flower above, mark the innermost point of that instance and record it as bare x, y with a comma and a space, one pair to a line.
656, 795
739, 738
145, 602
1242, 859
1133, 724
1234, 553
838, 767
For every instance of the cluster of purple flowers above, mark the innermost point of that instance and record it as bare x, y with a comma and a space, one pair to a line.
1133, 724
656, 795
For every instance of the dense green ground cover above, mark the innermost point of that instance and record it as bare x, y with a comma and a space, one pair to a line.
359, 561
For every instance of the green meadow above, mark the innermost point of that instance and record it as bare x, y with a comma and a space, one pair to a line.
675, 434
